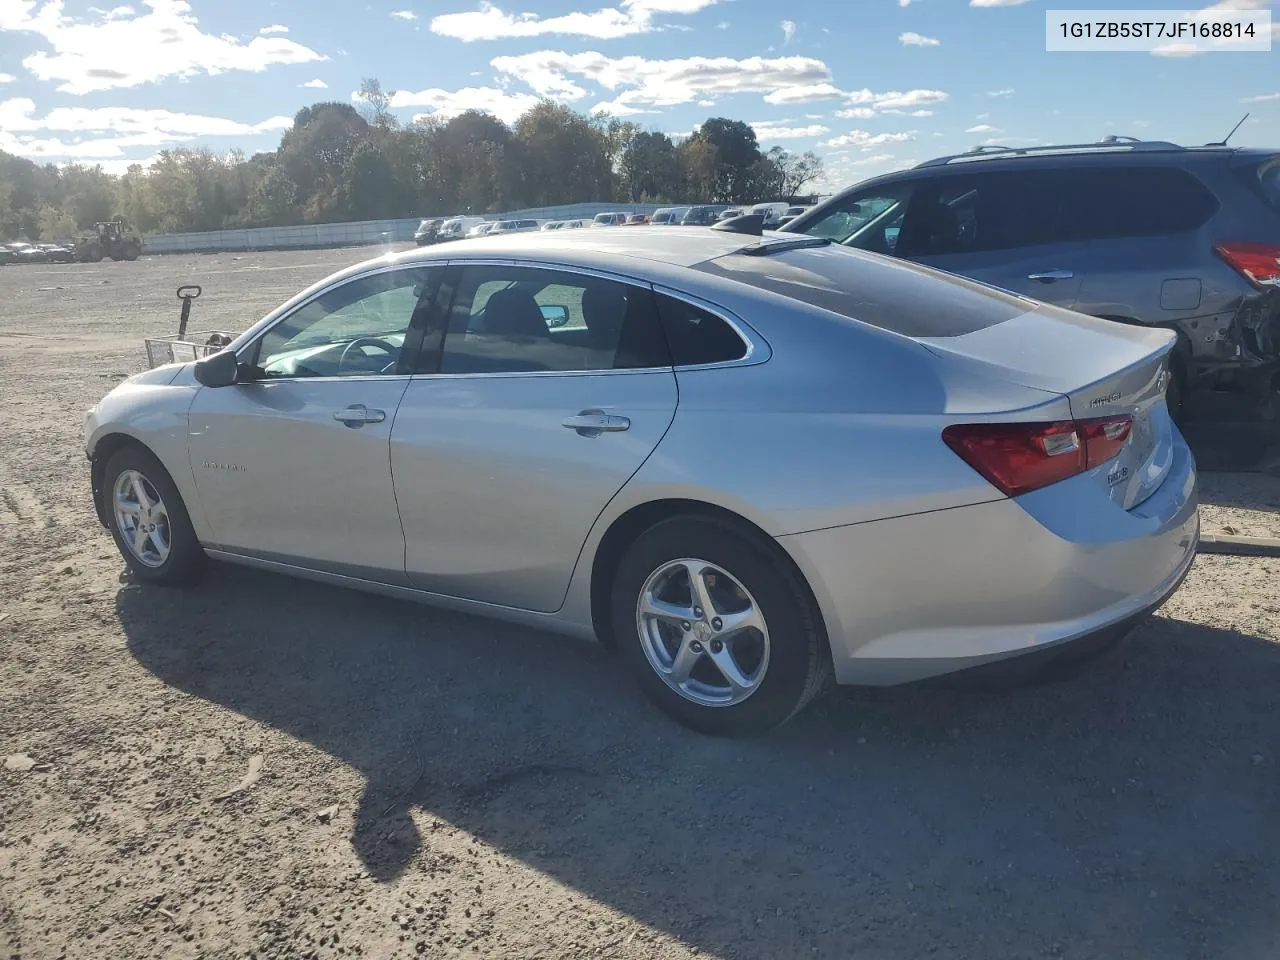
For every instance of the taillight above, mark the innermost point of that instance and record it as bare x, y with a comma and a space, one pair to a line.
1259, 262
1020, 457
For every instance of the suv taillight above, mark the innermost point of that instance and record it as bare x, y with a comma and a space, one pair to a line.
1020, 457
1258, 262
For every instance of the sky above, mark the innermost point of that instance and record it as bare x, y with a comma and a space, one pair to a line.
869, 85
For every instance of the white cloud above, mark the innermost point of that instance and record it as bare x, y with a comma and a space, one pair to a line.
896, 99
316, 84
983, 116
904, 3
128, 50
983, 128
861, 138
872, 160
274, 28
640, 83
101, 133
404, 14
608, 23
7, 78
788, 30
857, 113
449, 103
722, 25
1262, 98
1006, 92
907, 113
775, 130
913, 39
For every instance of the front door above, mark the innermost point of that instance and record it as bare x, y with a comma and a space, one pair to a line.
552, 388
1004, 229
292, 463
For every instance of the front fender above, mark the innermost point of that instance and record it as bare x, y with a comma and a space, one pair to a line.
152, 413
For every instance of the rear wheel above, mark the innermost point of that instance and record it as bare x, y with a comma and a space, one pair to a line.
148, 519
716, 627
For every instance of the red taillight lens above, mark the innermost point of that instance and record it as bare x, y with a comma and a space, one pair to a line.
1259, 262
1020, 457
1104, 439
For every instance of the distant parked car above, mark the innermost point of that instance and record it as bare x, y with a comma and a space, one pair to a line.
609, 219
772, 213
729, 213
58, 252
427, 231
1145, 233
457, 227
552, 225
573, 224
668, 216
699, 217
513, 226
795, 211
23, 252
637, 219
482, 229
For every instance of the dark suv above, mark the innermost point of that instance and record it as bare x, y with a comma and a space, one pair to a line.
1136, 231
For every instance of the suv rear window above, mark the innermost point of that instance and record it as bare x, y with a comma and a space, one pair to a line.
1103, 203
893, 295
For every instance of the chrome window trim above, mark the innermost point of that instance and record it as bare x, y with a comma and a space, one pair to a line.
252, 343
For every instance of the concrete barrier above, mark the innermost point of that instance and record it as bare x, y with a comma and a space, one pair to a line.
355, 233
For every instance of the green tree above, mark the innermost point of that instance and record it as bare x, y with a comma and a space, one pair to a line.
737, 153
56, 224
562, 156
650, 169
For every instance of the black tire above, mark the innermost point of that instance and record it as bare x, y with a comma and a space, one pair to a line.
799, 659
186, 558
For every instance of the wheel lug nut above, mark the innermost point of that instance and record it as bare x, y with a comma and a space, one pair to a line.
696, 647
697, 612
716, 646
717, 623
685, 626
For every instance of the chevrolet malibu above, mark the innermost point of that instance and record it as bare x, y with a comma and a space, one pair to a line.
745, 463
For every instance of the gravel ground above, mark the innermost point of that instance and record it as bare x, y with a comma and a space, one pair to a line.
259, 767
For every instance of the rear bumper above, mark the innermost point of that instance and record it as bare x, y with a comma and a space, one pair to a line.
916, 597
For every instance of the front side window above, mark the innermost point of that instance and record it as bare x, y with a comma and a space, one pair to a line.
528, 320
356, 329
972, 214
868, 221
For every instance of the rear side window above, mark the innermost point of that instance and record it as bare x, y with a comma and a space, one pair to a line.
697, 336
893, 295
1103, 204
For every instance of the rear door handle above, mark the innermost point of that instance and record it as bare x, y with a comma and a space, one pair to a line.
592, 423
1048, 276
358, 414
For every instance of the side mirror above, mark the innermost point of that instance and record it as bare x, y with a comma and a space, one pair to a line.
218, 370
555, 315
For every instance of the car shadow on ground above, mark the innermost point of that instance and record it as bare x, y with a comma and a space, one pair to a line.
1126, 811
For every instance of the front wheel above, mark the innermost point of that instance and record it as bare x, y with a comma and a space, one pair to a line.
148, 519
716, 627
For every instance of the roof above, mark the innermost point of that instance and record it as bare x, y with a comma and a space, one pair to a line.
678, 246
1122, 146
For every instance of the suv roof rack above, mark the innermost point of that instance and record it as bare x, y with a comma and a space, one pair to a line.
1109, 144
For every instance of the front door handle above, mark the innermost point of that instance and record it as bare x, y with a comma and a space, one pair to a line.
592, 423
358, 414
1048, 276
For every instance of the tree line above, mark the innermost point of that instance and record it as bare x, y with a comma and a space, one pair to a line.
337, 162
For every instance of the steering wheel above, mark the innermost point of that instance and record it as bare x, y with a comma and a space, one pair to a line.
390, 348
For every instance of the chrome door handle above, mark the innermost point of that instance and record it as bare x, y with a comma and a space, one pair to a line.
358, 414
592, 423
1048, 276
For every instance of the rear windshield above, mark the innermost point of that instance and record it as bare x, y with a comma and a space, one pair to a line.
893, 295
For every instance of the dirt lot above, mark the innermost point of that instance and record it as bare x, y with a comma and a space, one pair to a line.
436, 785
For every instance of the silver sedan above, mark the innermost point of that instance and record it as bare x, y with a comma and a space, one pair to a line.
744, 463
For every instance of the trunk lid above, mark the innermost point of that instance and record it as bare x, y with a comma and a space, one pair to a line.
1104, 369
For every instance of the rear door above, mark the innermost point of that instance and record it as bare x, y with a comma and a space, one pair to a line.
1002, 228
551, 388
